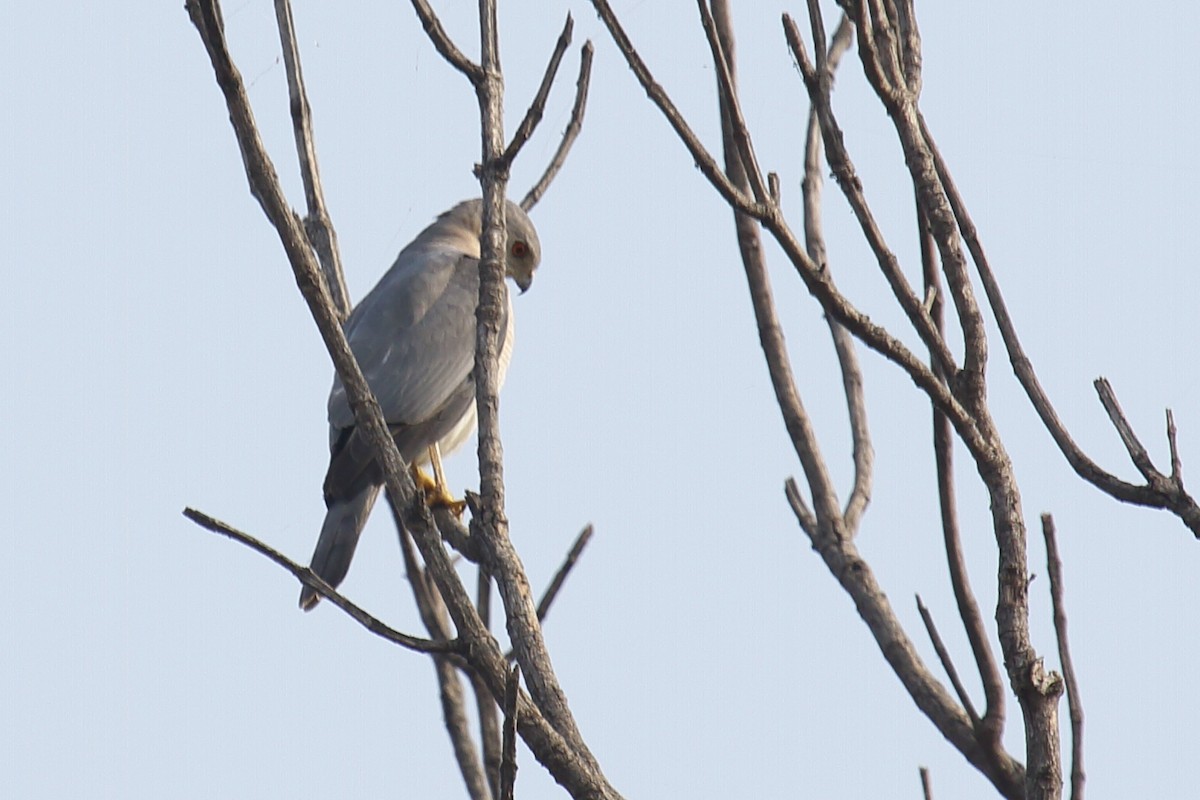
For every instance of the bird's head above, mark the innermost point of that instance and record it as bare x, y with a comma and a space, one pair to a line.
524, 250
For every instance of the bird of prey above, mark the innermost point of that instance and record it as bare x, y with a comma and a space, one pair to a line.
414, 338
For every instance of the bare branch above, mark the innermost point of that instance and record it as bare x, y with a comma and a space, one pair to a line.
857, 578
1176, 465
770, 333
843, 342
1074, 703
734, 127
450, 691
1137, 451
317, 225
947, 664
926, 783
508, 762
804, 515
441, 41
485, 704
538, 107
560, 577
991, 727
704, 160
1170, 494
817, 82
503, 563
570, 134
312, 580
873, 335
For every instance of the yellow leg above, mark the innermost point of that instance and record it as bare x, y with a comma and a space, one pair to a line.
437, 491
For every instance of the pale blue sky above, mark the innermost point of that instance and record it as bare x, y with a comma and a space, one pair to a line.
157, 354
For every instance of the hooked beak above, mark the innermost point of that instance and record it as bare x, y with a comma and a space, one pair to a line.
523, 280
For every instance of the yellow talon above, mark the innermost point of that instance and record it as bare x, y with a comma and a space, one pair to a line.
437, 493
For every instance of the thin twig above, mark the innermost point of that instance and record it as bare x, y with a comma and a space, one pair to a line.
560, 577
843, 343
485, 704
947, 663
572, 131
762, 299
450, 690
856, 577
926, 783
723, 59
1074, 703
873, 335
991, 727
1133, 445
317, 224
313, 581
441, 41
840, 163
538, 107
1168, 495
508, 762
1176, 464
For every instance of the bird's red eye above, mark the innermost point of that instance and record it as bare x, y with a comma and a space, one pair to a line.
519, 249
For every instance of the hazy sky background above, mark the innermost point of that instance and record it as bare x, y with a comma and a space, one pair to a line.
157, 354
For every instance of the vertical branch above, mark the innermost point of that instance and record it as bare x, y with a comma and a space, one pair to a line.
489, 724
770, 333
317, 225
433, 614
529, 647
814, 242
508, 763
991, 726
1074, 704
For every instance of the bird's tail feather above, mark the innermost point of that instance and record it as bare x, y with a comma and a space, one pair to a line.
344, 522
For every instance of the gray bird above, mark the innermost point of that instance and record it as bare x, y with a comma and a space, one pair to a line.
414, 337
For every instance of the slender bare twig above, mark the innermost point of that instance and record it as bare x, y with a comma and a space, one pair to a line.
441, 41
560, 577
991, 727
485, 704
1074, 703
732, 109
1169, 495
856, 577
804, 515
817, 82
1133, 445
947, 663
873, 335
843, 342
572, 130
770, 333
538, 107
312, 580
450, 691
508, 762
1176, 464
926, 783
317, 224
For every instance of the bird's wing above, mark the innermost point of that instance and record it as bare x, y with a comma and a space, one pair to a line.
414, 336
